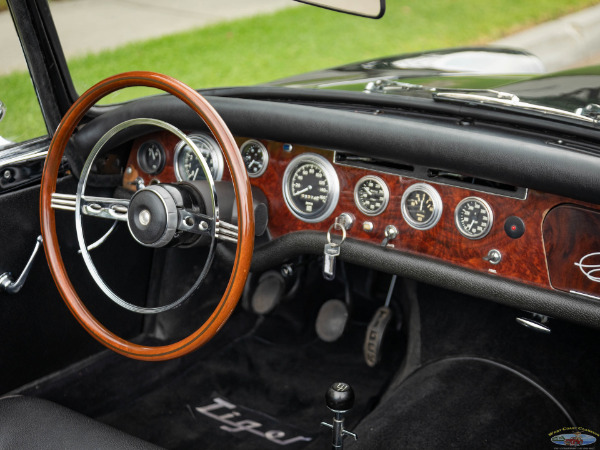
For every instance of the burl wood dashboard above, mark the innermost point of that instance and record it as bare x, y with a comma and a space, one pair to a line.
559, 248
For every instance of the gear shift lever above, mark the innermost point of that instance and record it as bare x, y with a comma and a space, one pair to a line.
339, 399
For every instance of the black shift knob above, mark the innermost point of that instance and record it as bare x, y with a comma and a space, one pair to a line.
340, 397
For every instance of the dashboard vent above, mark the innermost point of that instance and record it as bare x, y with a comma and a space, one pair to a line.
478, 184
432, 175
366, 162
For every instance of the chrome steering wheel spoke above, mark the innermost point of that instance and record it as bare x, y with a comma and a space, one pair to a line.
102, 207
196, 223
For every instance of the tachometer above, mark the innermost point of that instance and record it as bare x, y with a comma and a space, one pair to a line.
187, 166
311, 188
473, 217
421, 206
371, 195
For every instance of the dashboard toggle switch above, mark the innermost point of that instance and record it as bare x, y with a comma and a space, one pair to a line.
493, 257
391, 232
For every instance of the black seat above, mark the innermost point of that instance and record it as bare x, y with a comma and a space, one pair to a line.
33, 423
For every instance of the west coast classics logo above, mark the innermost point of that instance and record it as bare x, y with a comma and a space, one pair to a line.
574, 437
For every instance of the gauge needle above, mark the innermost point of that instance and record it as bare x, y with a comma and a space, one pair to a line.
195, 174
302, 191
421, 206
368, 191
252, 163
471, 225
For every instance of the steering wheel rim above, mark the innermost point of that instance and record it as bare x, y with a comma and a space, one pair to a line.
243, 194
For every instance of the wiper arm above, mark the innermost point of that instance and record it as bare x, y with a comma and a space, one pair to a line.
491, 97
384, 85
591, 113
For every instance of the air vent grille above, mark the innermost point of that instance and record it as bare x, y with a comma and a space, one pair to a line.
432, 175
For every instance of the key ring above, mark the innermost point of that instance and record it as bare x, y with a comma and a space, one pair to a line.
338, 226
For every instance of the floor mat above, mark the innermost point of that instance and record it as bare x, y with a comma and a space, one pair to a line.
495, 408
278, 386
243, 391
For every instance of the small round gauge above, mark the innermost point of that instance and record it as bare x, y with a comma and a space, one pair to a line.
187, 165
421, 206
256, 158
311, 188
473, 217
371, 195
151, 157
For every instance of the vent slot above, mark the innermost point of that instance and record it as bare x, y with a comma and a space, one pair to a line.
438, 176
442, 176
379, 165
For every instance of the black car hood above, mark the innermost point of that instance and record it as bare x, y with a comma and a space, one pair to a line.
501, 69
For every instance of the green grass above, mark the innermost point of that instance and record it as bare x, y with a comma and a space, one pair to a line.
296, 40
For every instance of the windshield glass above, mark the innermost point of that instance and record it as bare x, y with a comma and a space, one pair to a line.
218, 43
23, 118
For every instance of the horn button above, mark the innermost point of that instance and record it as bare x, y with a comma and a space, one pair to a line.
152, 216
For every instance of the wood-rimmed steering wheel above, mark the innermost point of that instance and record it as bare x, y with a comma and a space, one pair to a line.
185, 218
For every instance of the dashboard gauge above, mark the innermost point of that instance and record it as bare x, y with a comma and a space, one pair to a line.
473, 217
187, 165
311, 188
371, 195
151, 157
256, 158
421, 206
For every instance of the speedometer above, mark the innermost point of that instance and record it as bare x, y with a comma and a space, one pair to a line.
311, 188
187, 166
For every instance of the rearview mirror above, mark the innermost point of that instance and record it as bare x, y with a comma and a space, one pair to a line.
373, 9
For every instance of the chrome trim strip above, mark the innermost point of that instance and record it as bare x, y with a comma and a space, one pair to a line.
33, 150
226, 231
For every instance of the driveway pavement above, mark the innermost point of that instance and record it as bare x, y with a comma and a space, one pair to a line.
568, 42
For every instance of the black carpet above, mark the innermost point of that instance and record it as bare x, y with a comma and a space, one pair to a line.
462, 403
276, 374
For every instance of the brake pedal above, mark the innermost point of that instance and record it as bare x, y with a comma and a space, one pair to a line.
332, 320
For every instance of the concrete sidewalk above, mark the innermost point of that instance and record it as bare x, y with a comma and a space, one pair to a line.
571, 41
95, 25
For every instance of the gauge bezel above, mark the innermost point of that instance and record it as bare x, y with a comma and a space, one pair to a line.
265, 155
438, 206
215, 152
163, 154
487, 208
332, 180
386, 195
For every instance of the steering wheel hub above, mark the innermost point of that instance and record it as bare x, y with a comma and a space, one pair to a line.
152, 216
